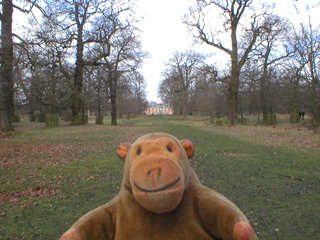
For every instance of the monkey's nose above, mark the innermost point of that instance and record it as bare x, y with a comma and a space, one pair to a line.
155, 171
155, 175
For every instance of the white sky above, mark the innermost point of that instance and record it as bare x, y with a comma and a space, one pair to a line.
163, 33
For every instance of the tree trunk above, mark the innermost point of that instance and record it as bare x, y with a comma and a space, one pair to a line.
76, 97
313, 103
258, 118
233, 94
235, 75
294, 117
6, 81
113, 110
265, 102
185, 104
211, 117
76, 102
113, 96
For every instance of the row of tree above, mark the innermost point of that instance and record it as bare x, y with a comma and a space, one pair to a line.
80, 54
274, 66
85, 54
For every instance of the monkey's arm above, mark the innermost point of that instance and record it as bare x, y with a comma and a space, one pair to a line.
98, 224
222, 218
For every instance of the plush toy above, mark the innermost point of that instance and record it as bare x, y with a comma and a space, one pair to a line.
161, 198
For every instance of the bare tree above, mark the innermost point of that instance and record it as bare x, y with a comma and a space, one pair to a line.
170, 92
184, 68
292, 80
131, 95
270, 50
97, 93
125, 56
232, 11
6, 75
80, 25
42, 77
211, 93
138, 88
306, 44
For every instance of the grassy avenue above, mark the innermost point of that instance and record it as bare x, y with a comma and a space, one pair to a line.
51, 177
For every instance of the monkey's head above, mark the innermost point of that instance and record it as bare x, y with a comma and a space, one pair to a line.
157, 170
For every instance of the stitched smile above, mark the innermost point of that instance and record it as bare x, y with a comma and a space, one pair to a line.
157, 190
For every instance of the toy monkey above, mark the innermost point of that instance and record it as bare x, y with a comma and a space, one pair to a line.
161, 198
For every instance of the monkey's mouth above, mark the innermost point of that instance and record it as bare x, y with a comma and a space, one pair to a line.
157, 190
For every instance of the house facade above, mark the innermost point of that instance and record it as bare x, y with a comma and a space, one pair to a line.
154, 108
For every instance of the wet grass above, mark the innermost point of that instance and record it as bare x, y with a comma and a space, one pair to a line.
51, 177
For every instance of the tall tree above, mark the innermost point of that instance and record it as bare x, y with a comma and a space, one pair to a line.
270, 51
232, 11
6, 73
40, 75
292, 79
306, 44
169, 92
6, 68
124, 56
138, 86
80, 24
97, 90
210, 93
184, 67
131, 95
250, 88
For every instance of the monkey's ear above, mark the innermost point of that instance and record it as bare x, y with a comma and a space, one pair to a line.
188, 147
123, 150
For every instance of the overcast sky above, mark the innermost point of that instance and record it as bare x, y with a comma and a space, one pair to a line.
163, 32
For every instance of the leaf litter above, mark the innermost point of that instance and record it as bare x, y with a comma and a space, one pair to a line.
26, 161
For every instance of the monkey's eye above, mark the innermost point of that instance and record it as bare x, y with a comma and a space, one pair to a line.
139, 151
169, 149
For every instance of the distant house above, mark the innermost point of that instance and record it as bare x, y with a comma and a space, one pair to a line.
154, 108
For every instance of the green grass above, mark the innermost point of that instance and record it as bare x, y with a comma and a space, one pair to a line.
48, 186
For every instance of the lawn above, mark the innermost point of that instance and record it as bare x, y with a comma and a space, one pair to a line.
51, 177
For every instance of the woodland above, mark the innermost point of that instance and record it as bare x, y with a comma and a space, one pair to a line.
71, 58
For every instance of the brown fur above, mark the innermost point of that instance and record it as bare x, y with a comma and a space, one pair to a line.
162, 198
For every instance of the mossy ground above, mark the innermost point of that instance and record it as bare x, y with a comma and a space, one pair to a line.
51, 177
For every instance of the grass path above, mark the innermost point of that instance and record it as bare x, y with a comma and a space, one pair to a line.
51, 177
